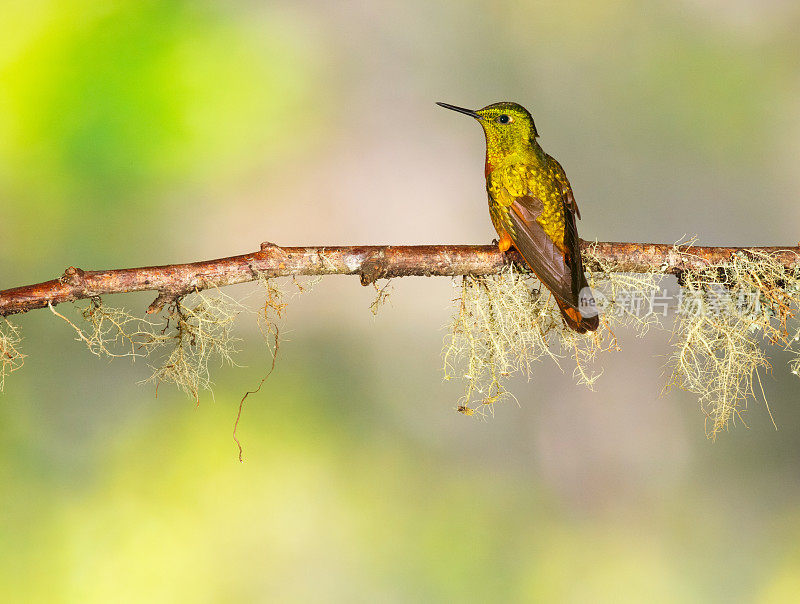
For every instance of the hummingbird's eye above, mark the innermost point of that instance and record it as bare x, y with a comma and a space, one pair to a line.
504, 119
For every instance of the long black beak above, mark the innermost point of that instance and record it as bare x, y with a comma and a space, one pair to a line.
468, 112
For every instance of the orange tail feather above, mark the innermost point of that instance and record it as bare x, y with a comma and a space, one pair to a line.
576, 321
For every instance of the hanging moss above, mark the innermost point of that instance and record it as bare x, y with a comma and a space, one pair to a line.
11, 358
505, 323
729, 312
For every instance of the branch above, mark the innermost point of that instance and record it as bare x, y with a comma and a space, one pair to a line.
369, 262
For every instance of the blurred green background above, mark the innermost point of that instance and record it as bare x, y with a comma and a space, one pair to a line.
141, 132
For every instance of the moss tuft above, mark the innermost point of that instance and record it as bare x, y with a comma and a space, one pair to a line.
11, 358
503, 325
727, 311
198, 331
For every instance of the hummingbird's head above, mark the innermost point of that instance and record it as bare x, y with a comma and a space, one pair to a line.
508, 126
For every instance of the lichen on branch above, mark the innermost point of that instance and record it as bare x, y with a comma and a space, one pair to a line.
731, 309
198, 332
503, 324
11, 358
500, 328
195, 330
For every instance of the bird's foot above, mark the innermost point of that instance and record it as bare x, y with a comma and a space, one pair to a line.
508, 259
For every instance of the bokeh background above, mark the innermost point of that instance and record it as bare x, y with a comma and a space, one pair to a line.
136, 132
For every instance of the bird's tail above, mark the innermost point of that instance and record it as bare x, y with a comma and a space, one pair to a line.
576, 321
572, 315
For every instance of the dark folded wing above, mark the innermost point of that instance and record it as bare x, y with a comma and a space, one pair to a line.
566, 188
546, 260
572, 256
572, 243
572, 251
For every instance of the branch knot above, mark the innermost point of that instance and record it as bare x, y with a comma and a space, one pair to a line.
73, 276
374, 267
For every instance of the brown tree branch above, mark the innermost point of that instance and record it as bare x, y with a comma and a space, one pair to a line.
369, 262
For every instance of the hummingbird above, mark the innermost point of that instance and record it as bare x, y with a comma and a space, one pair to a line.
533, 209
